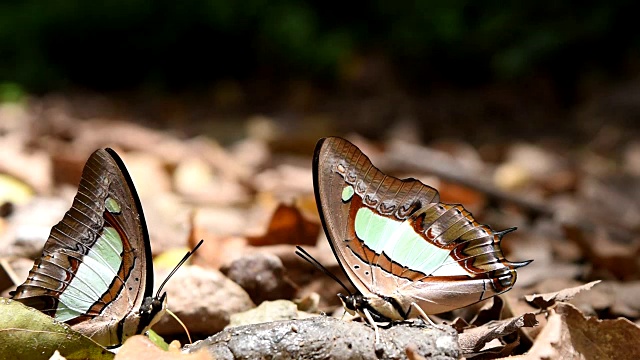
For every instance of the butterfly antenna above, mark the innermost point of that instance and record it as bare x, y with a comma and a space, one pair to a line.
310, 259
181, 323
184, 259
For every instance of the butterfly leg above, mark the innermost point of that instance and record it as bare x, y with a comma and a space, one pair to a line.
367, 314
422, 314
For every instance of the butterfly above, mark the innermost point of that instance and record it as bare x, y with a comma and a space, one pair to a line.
96, 272
406, 253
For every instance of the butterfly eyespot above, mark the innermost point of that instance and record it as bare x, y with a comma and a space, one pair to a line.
366, 273
130, 288
137, 279
356, 267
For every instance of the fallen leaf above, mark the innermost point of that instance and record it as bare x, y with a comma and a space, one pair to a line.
459, 324
570, 335
219, 249
13, 190
608, 252
285, 181
288, 226
198, 182
474, 339
33, 168
544, 301
452, 193
141, 348
27, 333
626, 298
497, 351
489, 312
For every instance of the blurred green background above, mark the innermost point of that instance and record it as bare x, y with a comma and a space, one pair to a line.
447, 66
46, 45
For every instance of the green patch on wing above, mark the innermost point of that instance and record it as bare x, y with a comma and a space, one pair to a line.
93, 277
347, 193
112, 206
399, 241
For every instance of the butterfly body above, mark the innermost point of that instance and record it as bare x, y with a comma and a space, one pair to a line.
405, 252
95, 272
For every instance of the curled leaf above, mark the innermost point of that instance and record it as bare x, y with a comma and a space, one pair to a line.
545, 301
474, 339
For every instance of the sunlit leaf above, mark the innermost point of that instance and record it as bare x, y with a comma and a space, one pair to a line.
26, 333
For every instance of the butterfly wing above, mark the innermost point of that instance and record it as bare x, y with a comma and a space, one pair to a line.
394, 238
95, 269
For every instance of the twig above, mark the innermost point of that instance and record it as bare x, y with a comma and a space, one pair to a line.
324, 337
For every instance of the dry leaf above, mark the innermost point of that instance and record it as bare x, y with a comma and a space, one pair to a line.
626, 298
607, 254
474, 339
489, 312
141, 348
219, 249
452, 193
459, 324
570, 335
544, 301
498, 351
288, 226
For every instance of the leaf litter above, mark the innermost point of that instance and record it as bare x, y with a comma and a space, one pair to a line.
577, 217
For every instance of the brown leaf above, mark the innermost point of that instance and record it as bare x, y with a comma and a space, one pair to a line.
495, 352
459, 324
141, 348
625, 297
219, 250
34, 168
544, 301
570, 335
288, 226
199, 183
610, 253
515, 305
491, 311
474, 339
452, 193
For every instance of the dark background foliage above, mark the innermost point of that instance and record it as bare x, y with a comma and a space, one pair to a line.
47, 45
